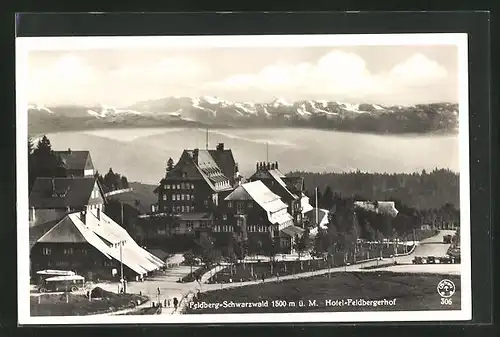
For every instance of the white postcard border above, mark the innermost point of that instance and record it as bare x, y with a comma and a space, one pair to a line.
26, 44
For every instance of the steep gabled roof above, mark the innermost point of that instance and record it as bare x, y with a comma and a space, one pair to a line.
239, 193
103, 234
210, 171
225, 161
295, 184
263, 196
72, 192
76, 160
64, 232
278, 177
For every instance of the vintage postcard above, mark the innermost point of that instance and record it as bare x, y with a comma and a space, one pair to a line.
240, 179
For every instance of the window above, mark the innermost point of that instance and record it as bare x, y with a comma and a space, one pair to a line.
192, 208
230, 204
178, 209
224, 216
182, 186
182, 208
189, 225
239, 222
192, 196
182, 196
192, 186
205, 202
173, 209
178, 186
240, 207
68, 251
187, 196
184, 175
46, 251
164, 197
167, 187
250, 204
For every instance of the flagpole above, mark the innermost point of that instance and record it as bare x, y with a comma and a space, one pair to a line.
317, 208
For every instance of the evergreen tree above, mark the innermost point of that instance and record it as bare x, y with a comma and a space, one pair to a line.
44, 162
327, 198
124, 182
109, 179
301, 245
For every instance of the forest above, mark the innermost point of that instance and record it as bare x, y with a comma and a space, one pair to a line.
420, 190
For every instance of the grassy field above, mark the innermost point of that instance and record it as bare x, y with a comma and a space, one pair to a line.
78, 305
410, 292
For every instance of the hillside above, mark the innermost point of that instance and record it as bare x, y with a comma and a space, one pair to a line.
418, 190
424, 190
217, 113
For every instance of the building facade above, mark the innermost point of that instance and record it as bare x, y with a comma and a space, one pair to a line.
51, 199
289, 189
191, 191
92, 245
258, 215
77, 163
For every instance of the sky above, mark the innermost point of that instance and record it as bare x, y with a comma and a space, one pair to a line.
385, 75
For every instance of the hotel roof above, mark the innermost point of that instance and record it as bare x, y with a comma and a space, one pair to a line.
61, 192
106, 236
76, 160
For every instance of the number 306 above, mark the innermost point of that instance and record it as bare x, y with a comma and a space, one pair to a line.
446, 301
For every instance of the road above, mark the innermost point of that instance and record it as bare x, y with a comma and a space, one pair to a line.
170, 288
432, 246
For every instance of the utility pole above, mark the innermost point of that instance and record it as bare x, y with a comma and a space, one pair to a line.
317, 208
267, 152
121, 252
206, 142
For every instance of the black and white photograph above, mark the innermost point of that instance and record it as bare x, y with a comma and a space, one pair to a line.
235, 179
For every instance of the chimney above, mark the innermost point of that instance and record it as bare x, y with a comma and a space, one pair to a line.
195, 156
268, 166
33, 218
220, 147
69, 150
257, 167
276, 165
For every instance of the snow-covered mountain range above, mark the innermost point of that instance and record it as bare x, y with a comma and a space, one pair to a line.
216, 112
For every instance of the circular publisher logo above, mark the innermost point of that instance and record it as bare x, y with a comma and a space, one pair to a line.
446, 288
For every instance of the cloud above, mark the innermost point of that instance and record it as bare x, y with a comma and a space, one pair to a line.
67, 76
418, 70
336, 73
167, 69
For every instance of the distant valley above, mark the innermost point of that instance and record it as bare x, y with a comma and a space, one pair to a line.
213, 112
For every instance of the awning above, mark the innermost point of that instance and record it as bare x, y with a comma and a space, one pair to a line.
292, 231
194, 216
